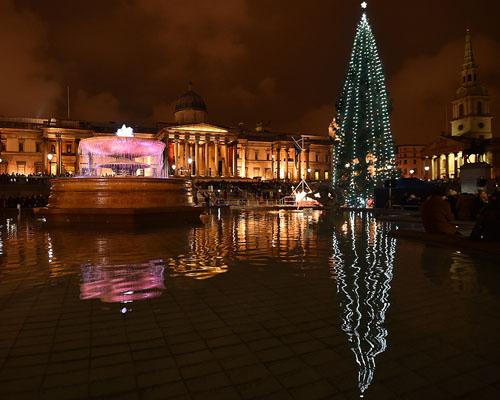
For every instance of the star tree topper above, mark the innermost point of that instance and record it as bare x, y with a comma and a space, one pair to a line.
364, 4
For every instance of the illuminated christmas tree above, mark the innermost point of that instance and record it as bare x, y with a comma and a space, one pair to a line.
364, 154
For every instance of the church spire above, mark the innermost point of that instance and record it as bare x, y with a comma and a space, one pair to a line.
469, 54
471, 107
470, 70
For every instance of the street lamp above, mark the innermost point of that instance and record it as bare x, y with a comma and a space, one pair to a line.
426, 169
412, 171
190, 162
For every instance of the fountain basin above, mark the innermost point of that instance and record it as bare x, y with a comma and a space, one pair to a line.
120, 199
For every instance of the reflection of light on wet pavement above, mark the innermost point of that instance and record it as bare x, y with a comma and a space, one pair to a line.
270, 302
122, 283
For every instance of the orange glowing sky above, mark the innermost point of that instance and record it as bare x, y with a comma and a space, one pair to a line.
281, 62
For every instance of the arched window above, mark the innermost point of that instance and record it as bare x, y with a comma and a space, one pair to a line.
461, 110
480, 108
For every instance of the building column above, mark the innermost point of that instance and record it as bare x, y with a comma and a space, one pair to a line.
206, 169
278, 161
176, 156
46, 165
286, 164
77, 156
299, 166
216, 157
59, 153
455, 165
226, 159
186, 153
308, 174
244, 160
235, 159
196, 157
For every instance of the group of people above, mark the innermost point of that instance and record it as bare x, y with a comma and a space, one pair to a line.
28, 201
440, 211
212, 193
39, 178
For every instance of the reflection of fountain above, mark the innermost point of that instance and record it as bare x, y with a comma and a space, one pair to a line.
362, 264
122, 283
122, 181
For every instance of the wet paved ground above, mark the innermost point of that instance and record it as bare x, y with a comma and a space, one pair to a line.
250, 305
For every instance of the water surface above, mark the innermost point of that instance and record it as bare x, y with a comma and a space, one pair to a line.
248, 305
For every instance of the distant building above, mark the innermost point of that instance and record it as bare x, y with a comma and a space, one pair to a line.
471, 127
195, 147
410, 161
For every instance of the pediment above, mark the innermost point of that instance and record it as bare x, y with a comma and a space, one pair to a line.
202, 128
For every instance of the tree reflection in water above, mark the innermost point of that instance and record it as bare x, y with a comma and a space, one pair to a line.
362, 265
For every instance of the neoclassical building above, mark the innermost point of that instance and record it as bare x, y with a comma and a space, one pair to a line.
194, 146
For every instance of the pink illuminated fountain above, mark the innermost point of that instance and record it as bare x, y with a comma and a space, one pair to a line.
121, 155
122, 179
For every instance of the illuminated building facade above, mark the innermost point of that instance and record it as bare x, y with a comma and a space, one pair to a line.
194, 146
411, 163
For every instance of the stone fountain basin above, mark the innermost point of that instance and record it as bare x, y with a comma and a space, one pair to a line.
117, 198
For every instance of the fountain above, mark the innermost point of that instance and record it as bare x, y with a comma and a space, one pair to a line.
122, 179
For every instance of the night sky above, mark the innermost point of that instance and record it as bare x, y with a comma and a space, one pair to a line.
278, 61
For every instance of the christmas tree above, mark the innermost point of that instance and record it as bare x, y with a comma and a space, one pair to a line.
364, 152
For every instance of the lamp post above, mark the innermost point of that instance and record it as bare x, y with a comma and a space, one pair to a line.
412, 171
190, 162
50, 156
426, 169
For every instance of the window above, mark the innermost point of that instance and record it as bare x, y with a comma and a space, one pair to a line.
461, 110
256, 156
68, 148
327, 175
414, 162
317, 157
480, 108
53, 148
469, 77
38, 147
21, 147
405, 162
267, 156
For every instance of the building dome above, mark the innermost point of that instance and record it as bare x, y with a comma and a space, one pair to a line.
190, 108
190, 100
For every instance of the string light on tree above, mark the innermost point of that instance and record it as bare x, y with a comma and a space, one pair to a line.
364, 154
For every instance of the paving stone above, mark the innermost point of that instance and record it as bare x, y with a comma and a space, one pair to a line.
112, 387
199, 370
260, 388
165, 391
315, 390
207, 382
248, 373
